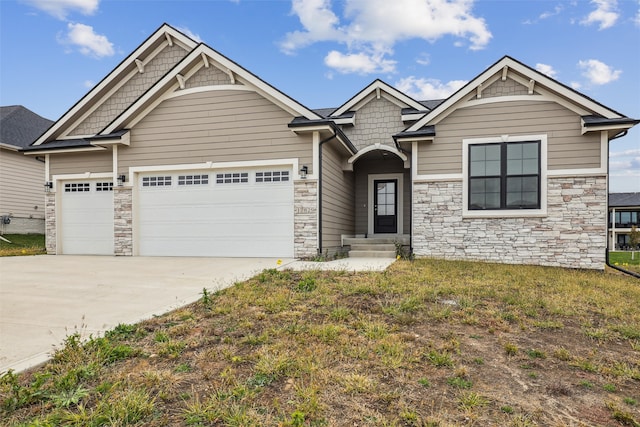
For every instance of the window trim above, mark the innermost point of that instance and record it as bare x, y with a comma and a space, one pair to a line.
504, 213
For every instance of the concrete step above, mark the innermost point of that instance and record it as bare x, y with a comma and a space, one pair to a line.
372, 254
403, 239
373, 246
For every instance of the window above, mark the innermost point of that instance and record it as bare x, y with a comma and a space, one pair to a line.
156, 181
504, 175
232, 177
272, 176
104, 186
193, 179
627, 219
79, 187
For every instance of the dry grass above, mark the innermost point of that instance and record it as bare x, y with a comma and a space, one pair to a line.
430, 343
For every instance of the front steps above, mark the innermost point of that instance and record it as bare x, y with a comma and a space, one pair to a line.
374, 247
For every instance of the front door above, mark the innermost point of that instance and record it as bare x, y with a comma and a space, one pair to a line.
385, 206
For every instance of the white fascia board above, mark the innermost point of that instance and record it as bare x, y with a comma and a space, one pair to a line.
415, 138
378, 85
9, 147
412, 116
63, 150
293, 162
540, 78
345, 121
600, 128
164, 29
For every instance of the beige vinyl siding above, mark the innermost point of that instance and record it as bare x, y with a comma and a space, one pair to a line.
216, 126
21, 185
567, 148
364, 168
73, 163
337, 199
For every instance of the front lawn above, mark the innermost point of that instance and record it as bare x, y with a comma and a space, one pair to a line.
22, 244
425, 343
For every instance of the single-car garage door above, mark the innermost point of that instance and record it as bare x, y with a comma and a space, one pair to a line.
87, 217
234, 213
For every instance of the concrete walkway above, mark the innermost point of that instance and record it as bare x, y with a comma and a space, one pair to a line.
44, 299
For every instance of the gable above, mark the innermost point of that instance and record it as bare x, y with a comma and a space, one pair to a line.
155, 56
376, 122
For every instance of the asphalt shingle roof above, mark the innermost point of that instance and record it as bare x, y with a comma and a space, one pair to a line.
20, 126
624, 199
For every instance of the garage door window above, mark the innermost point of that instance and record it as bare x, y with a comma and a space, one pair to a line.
272, 176
77, 187
104, 186
156, 181
232, 178
193, 179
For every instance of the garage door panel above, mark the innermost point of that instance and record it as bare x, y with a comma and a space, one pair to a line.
86, 223
247, 219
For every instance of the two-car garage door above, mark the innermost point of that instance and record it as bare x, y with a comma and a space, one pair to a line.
231, 213
234, 213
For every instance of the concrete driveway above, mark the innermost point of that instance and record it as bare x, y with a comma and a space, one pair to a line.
43, 299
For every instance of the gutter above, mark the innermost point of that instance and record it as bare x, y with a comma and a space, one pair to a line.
607, 261
320, 144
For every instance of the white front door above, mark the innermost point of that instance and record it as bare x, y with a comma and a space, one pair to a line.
230, 213
86, 220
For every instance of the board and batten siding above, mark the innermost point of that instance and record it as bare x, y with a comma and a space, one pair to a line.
337, 199
21, 185
567, 148
214, 126
81, 162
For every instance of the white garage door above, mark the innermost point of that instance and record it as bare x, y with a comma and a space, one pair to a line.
236, 213
87, 218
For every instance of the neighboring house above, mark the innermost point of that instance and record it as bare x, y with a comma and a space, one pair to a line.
21, 178
180, 151
624, 213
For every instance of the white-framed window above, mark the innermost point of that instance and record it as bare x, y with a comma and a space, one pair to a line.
104, 186
77, 187
193, 179
272, 176
505, 176
232, 177
156, 181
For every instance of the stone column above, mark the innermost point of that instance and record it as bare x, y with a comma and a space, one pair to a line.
123, 221
50, 222
305, 218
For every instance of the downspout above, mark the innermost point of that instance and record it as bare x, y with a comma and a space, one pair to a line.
320, 144
608, 262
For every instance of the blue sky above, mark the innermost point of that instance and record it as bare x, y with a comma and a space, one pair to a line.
322, 52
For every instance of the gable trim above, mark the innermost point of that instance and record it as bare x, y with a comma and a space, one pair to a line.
128, 62
166, 86
377, 89
452, 103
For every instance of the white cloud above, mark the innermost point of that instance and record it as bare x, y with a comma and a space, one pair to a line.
187, 32
576, 85
598, 72
425, 89
424, 59
624, 170
371, 28
61, 8
605, 14
556, 11
88, 42
89, 84
547, 70
361, 63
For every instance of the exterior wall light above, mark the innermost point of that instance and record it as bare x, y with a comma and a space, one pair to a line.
121, 180
303, 172
48, 186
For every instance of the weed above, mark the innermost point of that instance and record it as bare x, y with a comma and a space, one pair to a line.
611, 388
478, 361
471, 400
459, 382
625, 418
424, 382
439, 359
562, 354
630, 401
183, 367
340, 314
172, 349
161, 337
510, 348
122, 332
206, 299
356, 384
586, 384
65, 399
307, 284
507, 409
536, 354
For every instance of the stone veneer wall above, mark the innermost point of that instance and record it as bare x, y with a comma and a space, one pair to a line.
123, 221
50, 223
573, 234
305, 218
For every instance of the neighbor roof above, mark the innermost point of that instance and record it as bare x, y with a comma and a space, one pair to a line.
19, 126
624, 199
